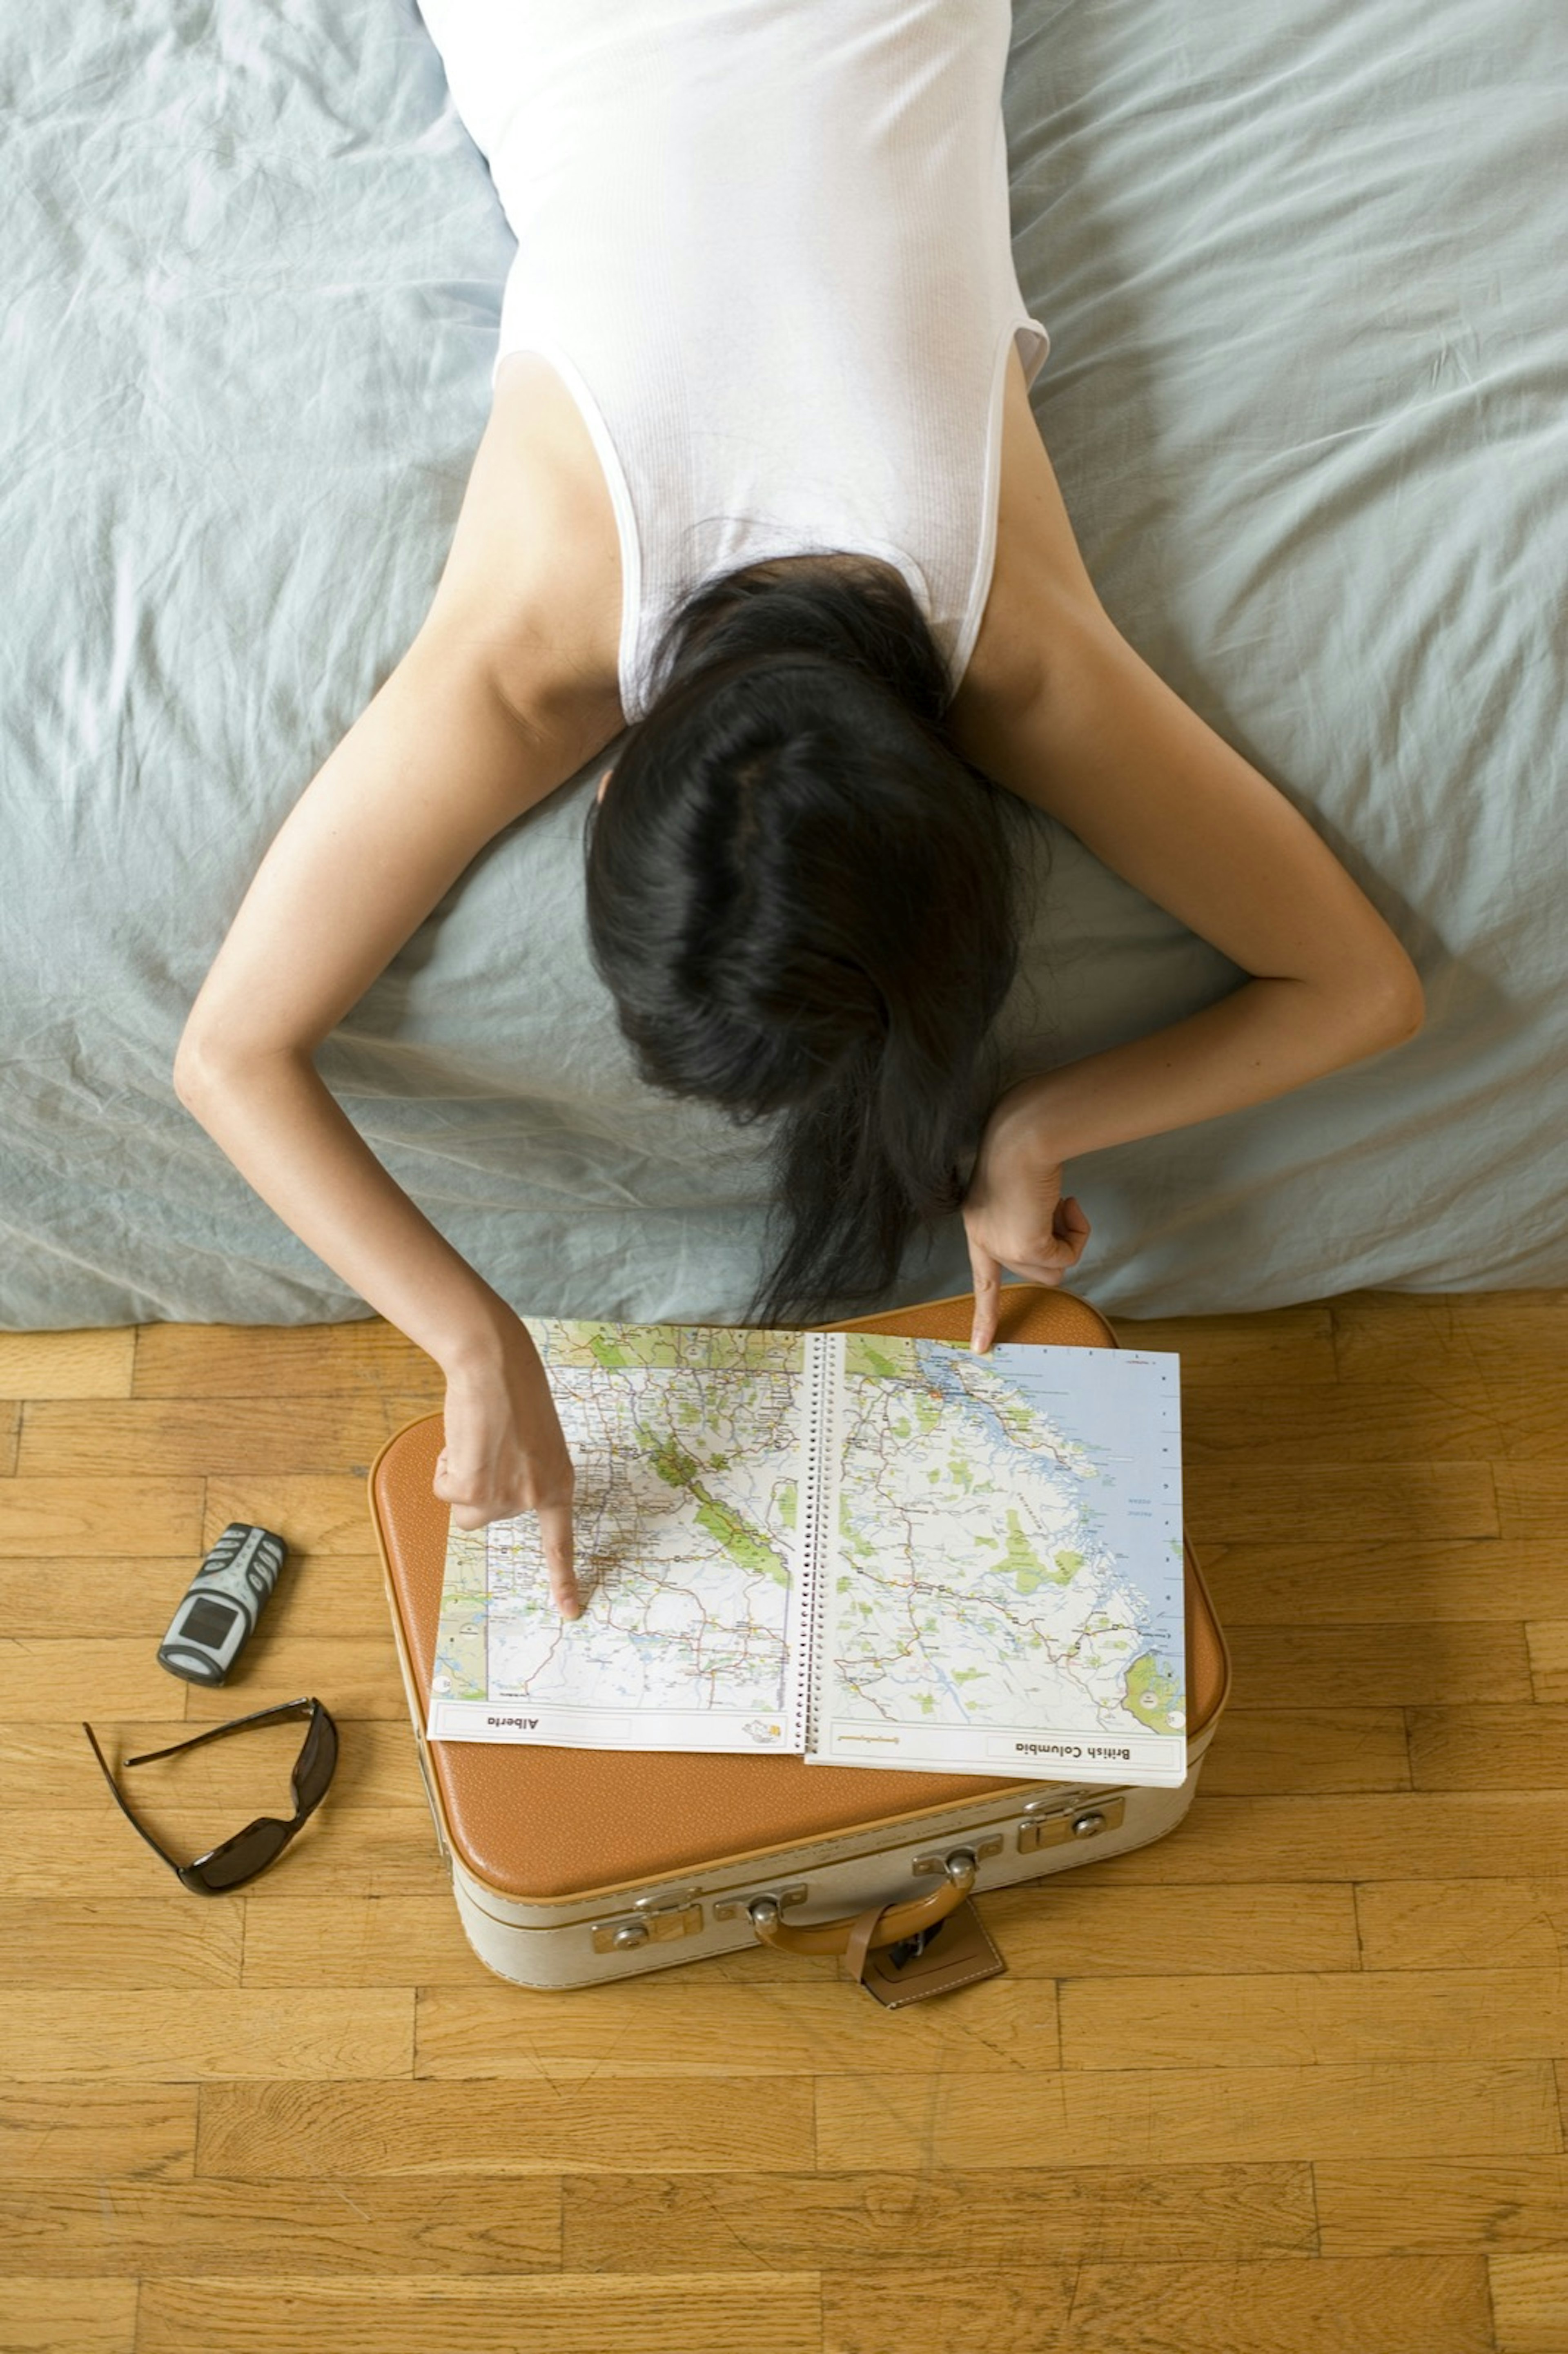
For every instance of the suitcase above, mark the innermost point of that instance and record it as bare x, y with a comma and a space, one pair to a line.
574, 1866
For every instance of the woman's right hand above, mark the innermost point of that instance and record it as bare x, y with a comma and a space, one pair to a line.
505, 1452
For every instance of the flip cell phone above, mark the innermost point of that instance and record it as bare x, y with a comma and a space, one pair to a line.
218, 1611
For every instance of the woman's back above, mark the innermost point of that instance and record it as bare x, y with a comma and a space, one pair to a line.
765, 244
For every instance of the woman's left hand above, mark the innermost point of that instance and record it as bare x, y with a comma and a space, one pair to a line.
1015, 1215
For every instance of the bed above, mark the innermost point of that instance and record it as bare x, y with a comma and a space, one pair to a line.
1301, 268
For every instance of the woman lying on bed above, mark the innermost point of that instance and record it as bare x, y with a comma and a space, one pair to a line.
813, 551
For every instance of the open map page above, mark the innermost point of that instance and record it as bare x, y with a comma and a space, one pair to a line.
687, 1444
872, 1551
1004, 1585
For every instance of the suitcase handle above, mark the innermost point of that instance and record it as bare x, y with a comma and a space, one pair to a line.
897, 1922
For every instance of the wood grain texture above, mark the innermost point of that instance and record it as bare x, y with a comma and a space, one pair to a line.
1301, 1752
765, 2313
67, 1365
135, 1518
666, 2029
1177, 2116
1367, 1667
704, 2124
1387, 2306
856, 2221
1517, 1749
135, 1438
1441, 2207
1548, 1642
1285, 2082
66, 2316
1346, 1582
1529, 2302
1410, 1924
1369, 2015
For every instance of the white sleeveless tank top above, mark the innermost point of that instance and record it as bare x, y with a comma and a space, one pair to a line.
765, 244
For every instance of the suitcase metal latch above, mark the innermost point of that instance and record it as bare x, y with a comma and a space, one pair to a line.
1071, 1823
647, 1926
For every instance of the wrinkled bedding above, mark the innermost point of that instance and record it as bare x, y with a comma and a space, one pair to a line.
1302, 274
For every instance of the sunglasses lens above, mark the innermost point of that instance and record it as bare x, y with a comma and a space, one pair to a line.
318, 1762
242, 1857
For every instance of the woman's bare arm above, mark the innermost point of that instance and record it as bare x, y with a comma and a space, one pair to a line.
509, 688
436, 765
1084, 729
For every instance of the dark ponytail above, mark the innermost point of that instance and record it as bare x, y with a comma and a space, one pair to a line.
802, 900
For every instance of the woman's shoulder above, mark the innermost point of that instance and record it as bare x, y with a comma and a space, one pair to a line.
533, 572
1037, 576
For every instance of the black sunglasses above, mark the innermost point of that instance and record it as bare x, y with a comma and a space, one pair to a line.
261, 1842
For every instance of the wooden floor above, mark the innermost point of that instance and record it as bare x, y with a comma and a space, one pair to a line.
1285, 2082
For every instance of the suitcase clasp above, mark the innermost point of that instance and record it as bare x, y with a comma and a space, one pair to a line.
647, 1926
1078, 1822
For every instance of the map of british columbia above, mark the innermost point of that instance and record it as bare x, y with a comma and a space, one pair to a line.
1008, 1541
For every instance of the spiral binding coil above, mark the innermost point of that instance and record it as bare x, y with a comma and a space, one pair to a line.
814, 1520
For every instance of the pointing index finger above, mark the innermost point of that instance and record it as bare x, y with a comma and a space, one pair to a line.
556, 1539
987, 1273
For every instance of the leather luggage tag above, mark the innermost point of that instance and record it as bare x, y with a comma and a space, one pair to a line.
957, 1952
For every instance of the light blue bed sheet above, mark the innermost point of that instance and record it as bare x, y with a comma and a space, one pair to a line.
1302, 271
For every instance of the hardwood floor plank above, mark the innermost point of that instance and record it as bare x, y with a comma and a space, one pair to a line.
57, 1600
101, 1679
1412, 1924
1449, 2206
1349, 1582
213, 1361
1329, 2018
1345, 1422
357, 1675
66, 2316
663, 2028
316, 1512
1304, 1751
1408, 1337
151, 2036
341, 1853
1403, 1834
10, 1436
1071, 1925
1276, 1344
377, 1767
67, 1365
1516, 1748
1114, 2214
60, 2133
1532, 1499
137, 1437
1371, 1667
1548, 1639
363, 2225
1243, 1501
135, 1518
691, 2125
1530, 2303
82, 1942
762, 2313
1178, 2116
82, 1599
1347, 2305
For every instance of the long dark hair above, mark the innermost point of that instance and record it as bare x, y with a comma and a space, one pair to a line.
803, 901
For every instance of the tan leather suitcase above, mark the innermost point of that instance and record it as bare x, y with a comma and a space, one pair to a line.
572, 1866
